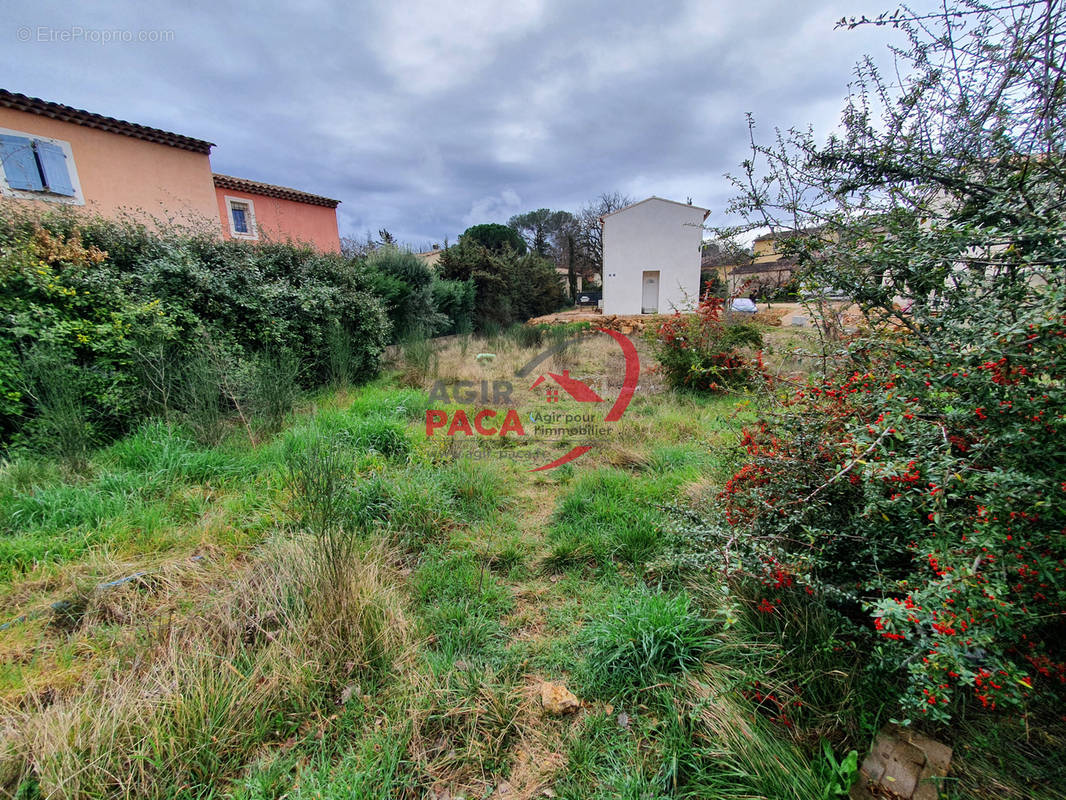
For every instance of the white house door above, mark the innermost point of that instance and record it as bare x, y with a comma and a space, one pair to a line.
649, 303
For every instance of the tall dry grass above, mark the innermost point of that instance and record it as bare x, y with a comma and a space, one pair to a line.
208, 688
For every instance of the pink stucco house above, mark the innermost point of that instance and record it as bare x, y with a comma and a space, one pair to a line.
55, 154
253, 211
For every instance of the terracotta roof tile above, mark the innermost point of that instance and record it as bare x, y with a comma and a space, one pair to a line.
44, 108
269, 190
788, 233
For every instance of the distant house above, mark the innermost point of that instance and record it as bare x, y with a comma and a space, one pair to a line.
255, 211
762, 278
430, 257
717, 263
651, 257
771, 269
56, 154
564, 278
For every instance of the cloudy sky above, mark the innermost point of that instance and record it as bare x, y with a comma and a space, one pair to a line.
425, 117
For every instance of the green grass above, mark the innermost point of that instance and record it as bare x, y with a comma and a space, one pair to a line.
60, 522
462, 603
612, 514
382, 399
680, 745
166, 454
419, 504
377, 766
142, 492
361, 434
643, 639
604, 759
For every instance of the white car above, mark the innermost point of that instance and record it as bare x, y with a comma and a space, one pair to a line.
743, 305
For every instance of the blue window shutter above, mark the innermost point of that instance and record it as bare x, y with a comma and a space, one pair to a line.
54, 168
20, 166
240, 221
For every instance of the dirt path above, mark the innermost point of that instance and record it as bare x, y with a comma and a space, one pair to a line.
539, 755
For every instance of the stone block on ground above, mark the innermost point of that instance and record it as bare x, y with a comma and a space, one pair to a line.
902, 764
557, 699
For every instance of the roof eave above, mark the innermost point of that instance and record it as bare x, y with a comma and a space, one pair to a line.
705, 211
77, 116
247, 186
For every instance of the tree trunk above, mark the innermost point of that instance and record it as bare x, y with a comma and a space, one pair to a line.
571, 275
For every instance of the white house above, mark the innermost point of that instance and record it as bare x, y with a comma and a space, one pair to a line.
651, 257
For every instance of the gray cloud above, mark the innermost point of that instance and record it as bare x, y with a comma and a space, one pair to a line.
425, 116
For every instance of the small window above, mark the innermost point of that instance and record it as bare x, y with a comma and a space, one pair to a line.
241, 218
35, 167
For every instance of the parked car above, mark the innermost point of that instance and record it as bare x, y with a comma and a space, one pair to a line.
743, 305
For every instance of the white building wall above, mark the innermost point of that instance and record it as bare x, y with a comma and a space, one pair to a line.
654, 234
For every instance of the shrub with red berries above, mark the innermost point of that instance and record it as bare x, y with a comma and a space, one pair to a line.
927, 493
703, 353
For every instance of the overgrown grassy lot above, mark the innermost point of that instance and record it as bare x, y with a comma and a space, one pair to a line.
353, 609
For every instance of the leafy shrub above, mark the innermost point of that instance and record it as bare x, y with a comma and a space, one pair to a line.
920, 487
508, 288
404, 282
57, 296
926, 490
700, 352
130, 310
536, 289
455, 300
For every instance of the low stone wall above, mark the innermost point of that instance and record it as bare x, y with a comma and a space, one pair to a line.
638, 323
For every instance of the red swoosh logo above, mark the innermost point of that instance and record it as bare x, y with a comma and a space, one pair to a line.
577, 452
629, 384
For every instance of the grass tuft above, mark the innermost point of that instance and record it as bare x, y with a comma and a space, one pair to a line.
645, 638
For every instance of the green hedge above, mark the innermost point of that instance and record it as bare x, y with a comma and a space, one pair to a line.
117, 311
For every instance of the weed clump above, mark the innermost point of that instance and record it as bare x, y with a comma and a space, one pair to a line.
646, 638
